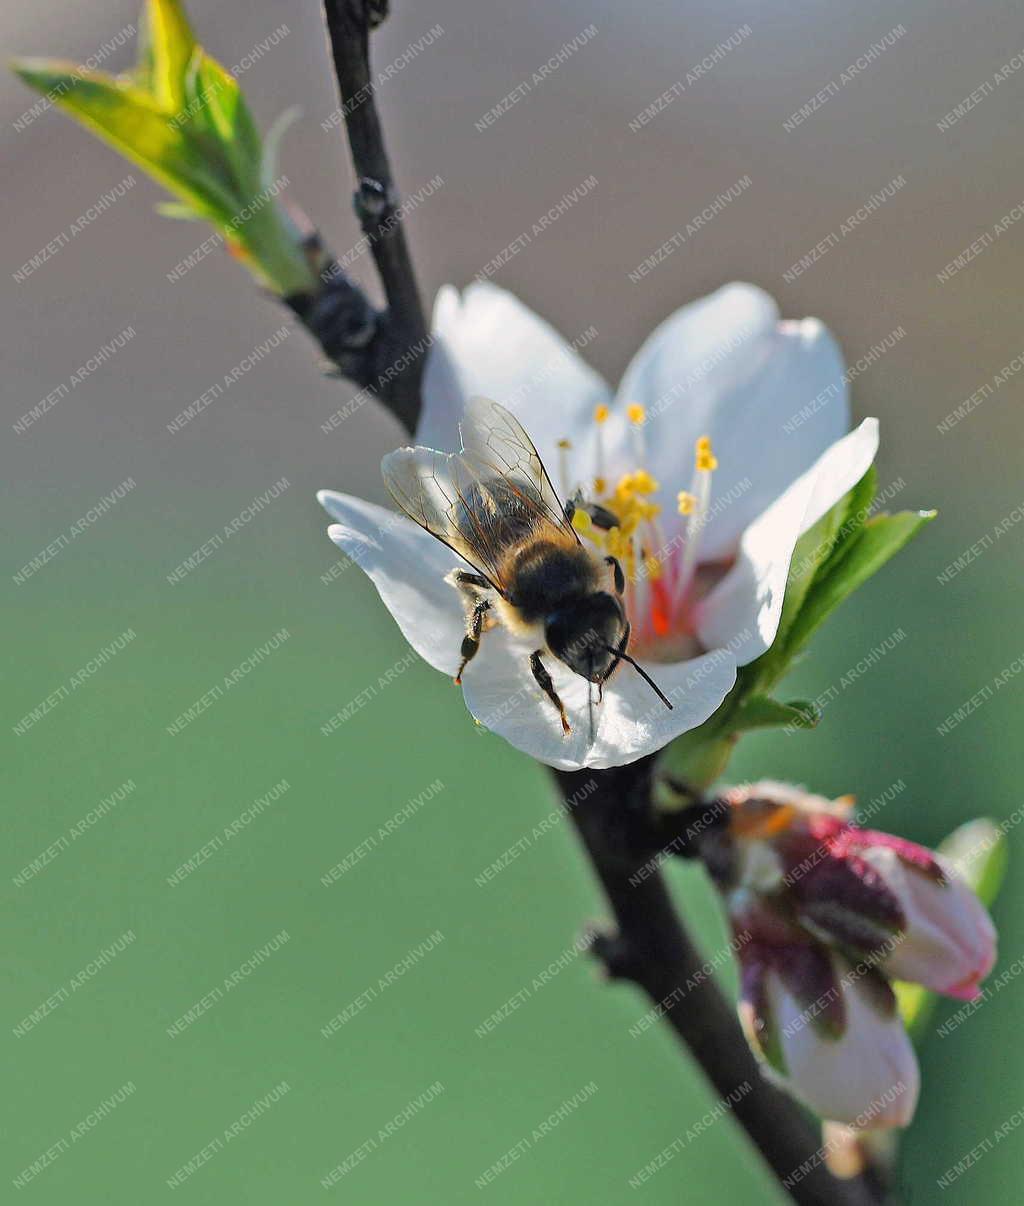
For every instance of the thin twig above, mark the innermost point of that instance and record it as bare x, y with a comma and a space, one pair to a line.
401, 330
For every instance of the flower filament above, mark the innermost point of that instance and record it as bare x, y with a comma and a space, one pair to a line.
659, 574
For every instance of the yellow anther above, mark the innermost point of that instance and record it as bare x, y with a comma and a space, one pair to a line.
635, 413
686, 502
705, 458
601, 413
600, 485
653, 567
643, 483
618, 544
564, 443
624, 489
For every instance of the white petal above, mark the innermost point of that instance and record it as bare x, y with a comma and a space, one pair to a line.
487, 342
727, 367
742, 612
701, 346
868, 1076
407, 566
630, 722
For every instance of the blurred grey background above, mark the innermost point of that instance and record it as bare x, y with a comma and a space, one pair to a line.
805, 182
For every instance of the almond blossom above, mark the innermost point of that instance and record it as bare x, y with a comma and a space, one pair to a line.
727, 439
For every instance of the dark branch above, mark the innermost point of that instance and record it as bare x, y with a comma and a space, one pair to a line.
340, 318
380, 350
651, 948
383, 350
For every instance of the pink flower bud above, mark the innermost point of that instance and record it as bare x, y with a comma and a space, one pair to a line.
948, 940
871, 894
829, 1031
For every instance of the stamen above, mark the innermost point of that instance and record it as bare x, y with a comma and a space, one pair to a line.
695, 506
601, 413
564, 447
650, 593
643, 483
652, 567
706, 459
637, 417
659, 575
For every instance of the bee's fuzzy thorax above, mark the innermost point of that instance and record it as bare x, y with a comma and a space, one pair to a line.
545, 575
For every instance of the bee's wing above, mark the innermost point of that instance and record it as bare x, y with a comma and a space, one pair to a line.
446, 496
492, 436
492, 496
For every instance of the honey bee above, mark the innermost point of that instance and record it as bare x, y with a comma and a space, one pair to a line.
493, 504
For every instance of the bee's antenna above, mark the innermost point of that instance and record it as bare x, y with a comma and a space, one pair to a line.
590, 709
644, 675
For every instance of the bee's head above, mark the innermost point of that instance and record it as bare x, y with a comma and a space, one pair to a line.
585, 634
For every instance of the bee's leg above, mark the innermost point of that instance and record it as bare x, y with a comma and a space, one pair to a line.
548, 687
471, 641
617, 574
470, 586
467, 582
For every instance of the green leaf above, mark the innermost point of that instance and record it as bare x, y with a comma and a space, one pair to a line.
817, 545
167, 45
697, 758
218, 110
915, 1004
979, 851
762, 712
131, 122
183, 119
854, 561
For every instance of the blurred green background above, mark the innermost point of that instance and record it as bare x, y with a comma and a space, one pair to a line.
343, 939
